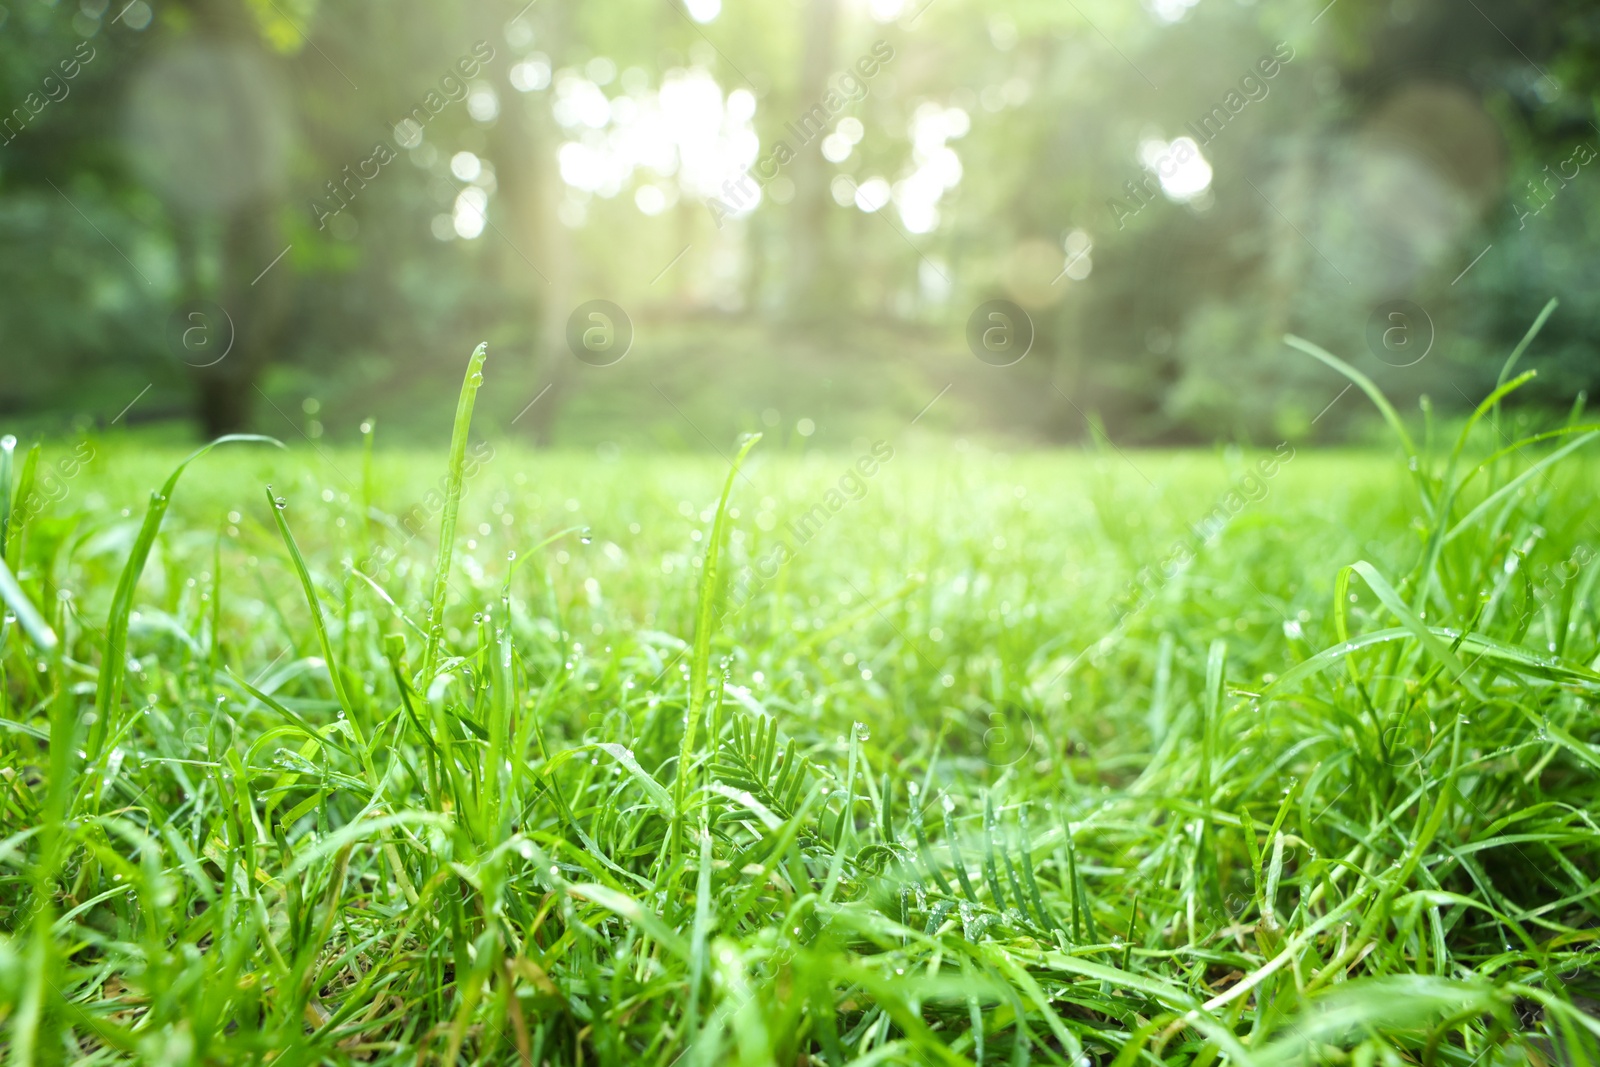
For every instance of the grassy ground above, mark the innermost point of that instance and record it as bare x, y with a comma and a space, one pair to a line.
904, 755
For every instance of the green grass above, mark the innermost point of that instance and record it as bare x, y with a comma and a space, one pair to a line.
1003, 764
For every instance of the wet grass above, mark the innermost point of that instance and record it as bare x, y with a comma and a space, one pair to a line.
1085, 758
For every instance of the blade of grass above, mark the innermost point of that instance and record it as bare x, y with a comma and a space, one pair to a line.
700, 656
1522, 346
114, 664
336, 674
1514, 484
452, 506
8, 446
1367, 386
33, 624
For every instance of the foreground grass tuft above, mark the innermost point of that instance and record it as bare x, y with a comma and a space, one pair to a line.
972, 778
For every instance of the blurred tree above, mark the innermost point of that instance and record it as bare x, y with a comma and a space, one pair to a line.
1018, 141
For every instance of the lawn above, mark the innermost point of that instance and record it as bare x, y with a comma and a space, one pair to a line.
913, 752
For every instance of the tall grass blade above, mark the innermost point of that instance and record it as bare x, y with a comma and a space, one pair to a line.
1375, 394
114, 665
1391, 599
452, 507
14, 527
1527, 339
33, 624
277, 504
704, 625
8, 446
1471, 517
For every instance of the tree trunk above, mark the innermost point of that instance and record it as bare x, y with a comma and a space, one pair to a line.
221, 406
524, 148
808, 215
225, 391
247, 242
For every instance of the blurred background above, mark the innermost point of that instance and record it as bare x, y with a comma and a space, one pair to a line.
220, 215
